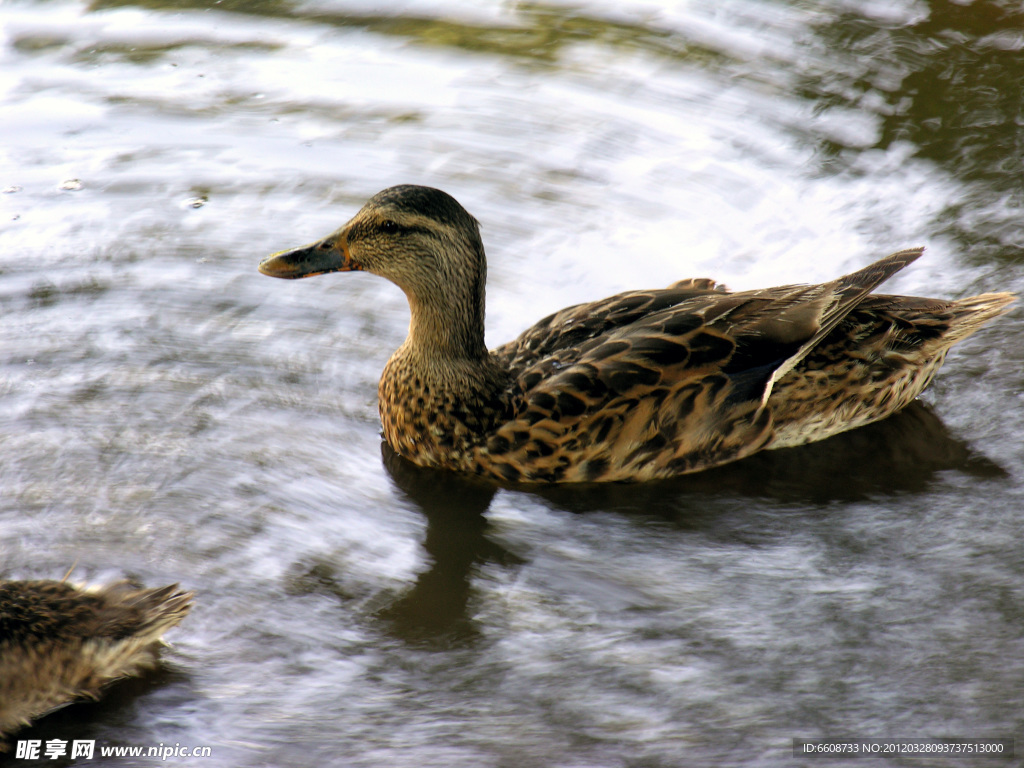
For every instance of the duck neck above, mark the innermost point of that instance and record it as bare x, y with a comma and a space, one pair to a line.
447, 319
441, 389
444, 330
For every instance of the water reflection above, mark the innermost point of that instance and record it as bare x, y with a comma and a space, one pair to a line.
534, 33
948, 86
434, 609
905, 453
940, 85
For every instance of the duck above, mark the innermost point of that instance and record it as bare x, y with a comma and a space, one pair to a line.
61, 642
640, 386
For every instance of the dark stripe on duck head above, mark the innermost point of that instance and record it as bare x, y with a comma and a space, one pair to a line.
426, 201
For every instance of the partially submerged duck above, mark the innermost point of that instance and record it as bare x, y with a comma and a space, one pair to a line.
638, 386
60, 643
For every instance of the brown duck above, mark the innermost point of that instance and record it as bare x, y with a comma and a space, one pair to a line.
59, 642
641, 385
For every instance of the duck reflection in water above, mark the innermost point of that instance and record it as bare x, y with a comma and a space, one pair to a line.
903, 454
456, 542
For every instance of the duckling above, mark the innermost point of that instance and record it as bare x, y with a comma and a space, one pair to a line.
637, 386
60, 642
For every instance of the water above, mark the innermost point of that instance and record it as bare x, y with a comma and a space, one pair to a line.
167, 414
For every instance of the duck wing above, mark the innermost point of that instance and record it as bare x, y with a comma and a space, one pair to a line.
579, 324
657, 383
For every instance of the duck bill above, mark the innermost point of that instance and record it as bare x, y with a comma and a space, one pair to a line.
309, 260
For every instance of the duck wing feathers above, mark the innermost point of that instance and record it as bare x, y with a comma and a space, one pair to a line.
656, 383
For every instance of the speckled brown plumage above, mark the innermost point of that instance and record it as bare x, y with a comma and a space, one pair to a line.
641, 385
59, 642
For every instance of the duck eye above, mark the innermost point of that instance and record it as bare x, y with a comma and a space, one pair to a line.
388, 227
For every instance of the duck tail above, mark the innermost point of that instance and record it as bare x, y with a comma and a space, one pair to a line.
968, 315
142, 614
161, 608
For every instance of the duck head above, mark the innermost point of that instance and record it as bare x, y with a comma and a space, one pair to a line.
420, 239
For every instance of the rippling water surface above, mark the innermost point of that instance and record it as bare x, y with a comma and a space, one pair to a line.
168, 414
